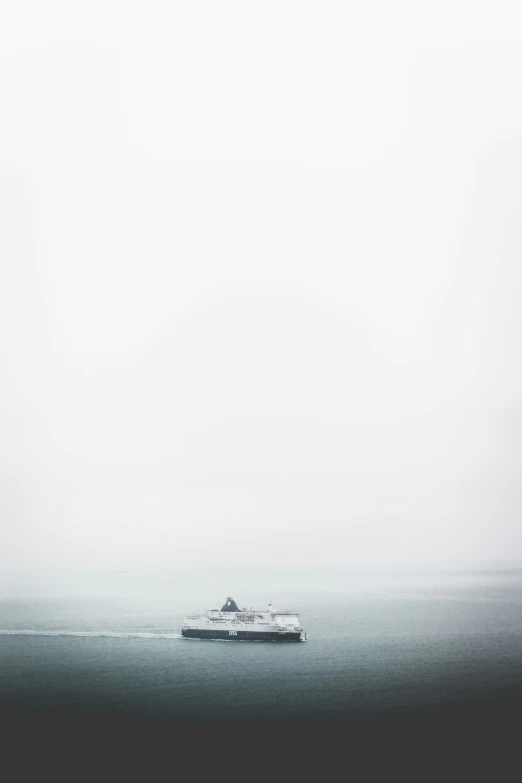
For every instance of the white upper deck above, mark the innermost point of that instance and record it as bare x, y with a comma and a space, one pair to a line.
264, 618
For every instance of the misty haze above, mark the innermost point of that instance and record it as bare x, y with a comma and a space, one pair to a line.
274, 305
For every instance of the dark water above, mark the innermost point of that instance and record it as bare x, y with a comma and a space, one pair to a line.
381, 647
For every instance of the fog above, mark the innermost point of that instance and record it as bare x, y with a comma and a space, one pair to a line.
260, 289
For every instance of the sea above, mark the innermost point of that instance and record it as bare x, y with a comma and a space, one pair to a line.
83, 678
378, 644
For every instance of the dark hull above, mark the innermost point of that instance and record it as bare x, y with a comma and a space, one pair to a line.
242, 636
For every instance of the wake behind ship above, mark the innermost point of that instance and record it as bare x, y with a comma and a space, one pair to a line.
252, 625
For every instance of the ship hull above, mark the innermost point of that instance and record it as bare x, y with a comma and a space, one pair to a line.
242, 636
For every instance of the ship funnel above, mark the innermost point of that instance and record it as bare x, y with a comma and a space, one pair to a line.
230, 606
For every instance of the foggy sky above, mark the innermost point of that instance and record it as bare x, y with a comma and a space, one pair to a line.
261, 285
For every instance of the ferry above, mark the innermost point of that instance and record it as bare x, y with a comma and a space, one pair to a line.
244, 625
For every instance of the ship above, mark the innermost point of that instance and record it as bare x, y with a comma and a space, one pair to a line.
249, 625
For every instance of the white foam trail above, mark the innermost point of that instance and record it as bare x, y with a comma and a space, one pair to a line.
96, 634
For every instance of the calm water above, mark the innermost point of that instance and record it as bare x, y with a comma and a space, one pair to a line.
373, 647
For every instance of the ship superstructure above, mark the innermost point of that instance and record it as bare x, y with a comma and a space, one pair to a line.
253, 625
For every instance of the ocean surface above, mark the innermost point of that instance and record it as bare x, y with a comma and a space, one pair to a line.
381, 646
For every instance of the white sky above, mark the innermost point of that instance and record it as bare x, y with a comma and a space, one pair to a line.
260, 285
